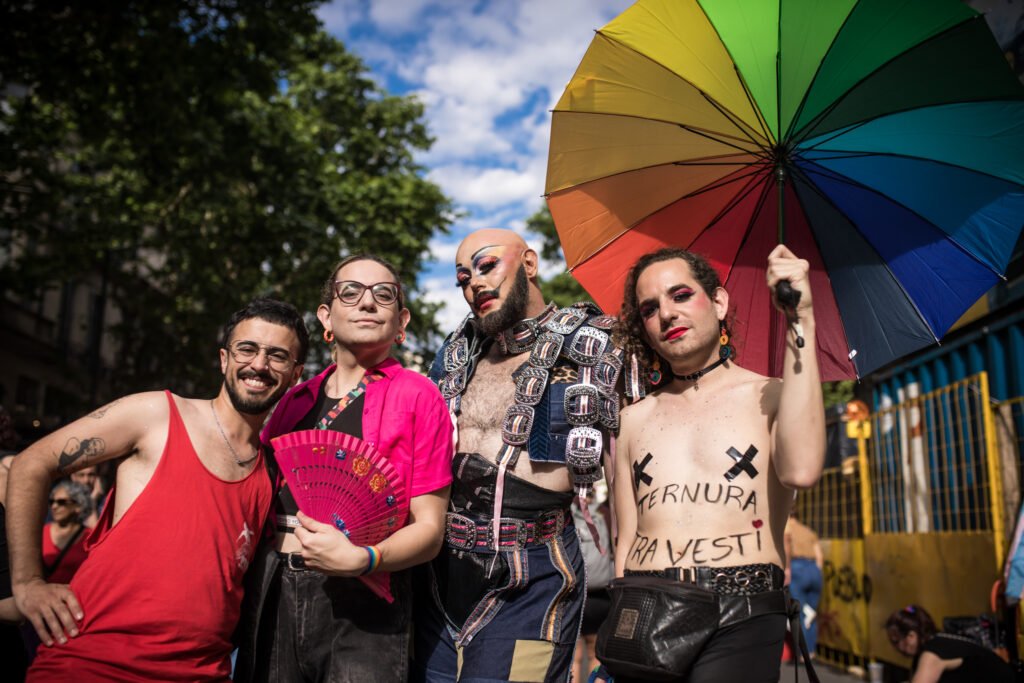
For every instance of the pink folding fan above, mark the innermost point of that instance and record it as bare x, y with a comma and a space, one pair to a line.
340, 480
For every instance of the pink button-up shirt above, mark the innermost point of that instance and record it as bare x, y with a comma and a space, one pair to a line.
404, 416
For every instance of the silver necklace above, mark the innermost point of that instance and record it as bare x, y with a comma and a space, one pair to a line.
241, 463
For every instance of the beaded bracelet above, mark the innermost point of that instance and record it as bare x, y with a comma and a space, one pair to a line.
374, 553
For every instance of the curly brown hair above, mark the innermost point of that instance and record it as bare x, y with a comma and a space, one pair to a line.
629, 328
327, 292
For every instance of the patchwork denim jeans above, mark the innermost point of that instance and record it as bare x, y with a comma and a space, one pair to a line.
516, 617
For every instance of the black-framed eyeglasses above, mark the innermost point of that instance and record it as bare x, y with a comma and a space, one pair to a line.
61, 501
245, 352
350, 292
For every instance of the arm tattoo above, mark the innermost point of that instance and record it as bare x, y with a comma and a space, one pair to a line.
100, 412
75, 449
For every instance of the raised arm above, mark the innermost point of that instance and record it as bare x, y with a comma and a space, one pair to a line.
109, 432
798, 433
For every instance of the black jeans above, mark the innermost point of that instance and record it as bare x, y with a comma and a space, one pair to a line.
326, 629
750, 651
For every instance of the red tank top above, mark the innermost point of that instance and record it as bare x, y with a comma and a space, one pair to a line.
161, 589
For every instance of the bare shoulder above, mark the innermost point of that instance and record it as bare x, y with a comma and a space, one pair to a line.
112, 431
640, 410
750, 386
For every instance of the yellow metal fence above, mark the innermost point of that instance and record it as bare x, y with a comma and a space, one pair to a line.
917, 517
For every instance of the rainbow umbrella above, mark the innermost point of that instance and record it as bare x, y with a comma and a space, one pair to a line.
881, 140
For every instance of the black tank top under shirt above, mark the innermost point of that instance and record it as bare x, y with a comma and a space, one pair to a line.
349, 421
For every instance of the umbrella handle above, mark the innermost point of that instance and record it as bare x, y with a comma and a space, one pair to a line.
789, 298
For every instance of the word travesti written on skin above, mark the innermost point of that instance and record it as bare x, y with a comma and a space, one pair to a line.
644, 549
700, 492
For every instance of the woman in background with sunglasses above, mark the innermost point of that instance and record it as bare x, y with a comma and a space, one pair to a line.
307, 617
63, 538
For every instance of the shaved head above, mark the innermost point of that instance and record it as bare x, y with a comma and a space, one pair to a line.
497, 272
489, 237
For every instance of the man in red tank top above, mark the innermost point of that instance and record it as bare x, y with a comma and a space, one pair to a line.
159, 594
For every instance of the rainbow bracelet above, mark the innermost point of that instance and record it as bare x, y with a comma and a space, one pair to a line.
374, 553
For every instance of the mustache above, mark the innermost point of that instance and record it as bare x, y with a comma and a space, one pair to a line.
491, 293
252, 374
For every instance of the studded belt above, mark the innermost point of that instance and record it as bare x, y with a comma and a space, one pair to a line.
464, 533
746, 579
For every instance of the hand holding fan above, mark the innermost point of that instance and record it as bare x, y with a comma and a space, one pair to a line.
340, 480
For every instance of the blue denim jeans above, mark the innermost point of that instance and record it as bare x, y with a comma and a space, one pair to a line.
805, 585
520, 623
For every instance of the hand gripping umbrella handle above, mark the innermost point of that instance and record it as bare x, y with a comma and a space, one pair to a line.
789, 298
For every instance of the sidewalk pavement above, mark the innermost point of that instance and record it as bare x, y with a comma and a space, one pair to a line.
827, 673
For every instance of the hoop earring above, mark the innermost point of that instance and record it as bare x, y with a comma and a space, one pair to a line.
400, 337
723, 350
329, 336
656, 370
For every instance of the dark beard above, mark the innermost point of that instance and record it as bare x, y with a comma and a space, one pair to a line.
512, 311
252, 406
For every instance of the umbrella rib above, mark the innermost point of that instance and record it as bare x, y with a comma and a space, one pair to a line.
722, 183
735, 121
805, 131
817, 71
859, 154
814, 188
853, 183
750, 100
737, 198
696, 131
707, 188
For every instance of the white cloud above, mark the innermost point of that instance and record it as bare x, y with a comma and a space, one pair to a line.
487, 187
397, 16
488, 72
339, 16
444, 291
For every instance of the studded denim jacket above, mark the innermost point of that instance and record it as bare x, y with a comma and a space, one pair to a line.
580, 348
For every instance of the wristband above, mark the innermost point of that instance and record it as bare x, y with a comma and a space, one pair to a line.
374, 553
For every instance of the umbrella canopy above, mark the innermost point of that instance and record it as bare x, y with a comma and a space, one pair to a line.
881, 140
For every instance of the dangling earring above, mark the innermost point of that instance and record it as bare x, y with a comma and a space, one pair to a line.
723, 350
656, 370
329, 336
400, 337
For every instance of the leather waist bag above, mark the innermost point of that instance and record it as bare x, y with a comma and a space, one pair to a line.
656, 627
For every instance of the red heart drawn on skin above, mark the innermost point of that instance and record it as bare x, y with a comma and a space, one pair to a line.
757, 523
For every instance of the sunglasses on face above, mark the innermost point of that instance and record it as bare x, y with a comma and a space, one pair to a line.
350, 292
61, 501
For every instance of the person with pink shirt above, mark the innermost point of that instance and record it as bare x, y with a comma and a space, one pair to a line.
307, 617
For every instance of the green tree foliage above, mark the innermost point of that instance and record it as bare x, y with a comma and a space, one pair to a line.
562, 288
193, 155
837, 393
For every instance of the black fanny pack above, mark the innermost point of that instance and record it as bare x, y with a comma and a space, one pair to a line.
656, 627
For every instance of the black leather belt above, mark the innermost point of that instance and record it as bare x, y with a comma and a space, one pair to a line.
464, 533
746, 579
293, 561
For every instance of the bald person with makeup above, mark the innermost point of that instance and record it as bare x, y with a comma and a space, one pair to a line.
532, 389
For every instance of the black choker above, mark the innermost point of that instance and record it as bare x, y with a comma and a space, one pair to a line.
695, 376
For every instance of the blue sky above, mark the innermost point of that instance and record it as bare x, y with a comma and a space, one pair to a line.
489, 73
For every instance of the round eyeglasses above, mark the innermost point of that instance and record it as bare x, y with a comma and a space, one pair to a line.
350, 292
245, 352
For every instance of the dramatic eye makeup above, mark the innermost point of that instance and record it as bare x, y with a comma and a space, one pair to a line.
647, 308
484, 261
681, 293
